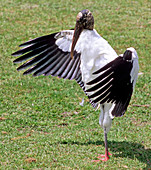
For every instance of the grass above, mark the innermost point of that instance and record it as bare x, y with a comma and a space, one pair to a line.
42, 125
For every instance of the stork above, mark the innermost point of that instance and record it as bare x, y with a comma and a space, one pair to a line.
83, 55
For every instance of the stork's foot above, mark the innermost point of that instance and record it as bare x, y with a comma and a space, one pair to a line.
102, 157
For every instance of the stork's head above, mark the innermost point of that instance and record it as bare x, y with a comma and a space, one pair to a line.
84, 20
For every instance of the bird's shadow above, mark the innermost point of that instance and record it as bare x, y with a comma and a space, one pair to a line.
121, 149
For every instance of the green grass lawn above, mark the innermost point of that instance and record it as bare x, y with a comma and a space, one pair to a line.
42, 125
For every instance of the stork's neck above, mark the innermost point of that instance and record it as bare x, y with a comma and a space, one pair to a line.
90, 35
87, 40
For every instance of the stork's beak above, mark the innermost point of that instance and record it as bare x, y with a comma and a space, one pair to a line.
77, 31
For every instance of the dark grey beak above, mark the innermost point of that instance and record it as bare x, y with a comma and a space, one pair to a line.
77, 31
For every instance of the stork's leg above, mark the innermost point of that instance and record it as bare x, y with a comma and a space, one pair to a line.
105, 121
106, 156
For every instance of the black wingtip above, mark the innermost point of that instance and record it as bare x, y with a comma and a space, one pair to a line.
26, 73
18, 53
20, 68
14, 62
15, 54
17, 61
27, 43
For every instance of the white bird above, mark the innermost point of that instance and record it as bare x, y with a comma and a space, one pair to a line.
82, 54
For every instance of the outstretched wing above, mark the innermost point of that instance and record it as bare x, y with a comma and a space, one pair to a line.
114, 84
50, 55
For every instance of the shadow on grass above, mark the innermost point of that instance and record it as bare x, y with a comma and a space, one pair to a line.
121, 149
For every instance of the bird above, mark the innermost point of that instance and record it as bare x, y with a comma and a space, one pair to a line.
81, 54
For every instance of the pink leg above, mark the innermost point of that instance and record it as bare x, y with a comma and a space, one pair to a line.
106, 156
